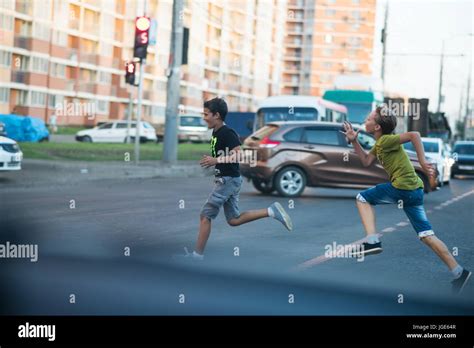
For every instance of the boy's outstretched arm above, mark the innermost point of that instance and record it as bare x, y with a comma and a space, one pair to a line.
366, 158
415, 139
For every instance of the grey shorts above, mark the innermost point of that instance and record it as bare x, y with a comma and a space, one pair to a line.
225, 193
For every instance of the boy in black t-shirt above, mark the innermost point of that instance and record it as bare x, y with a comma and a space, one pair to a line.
225, 147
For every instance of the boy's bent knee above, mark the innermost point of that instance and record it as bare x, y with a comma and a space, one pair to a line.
233, 222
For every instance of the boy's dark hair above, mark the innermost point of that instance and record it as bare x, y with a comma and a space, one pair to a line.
385, 119
217, 105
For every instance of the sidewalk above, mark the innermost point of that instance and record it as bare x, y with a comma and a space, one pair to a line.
37, 172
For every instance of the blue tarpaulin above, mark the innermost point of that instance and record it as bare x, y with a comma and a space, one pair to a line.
24, 128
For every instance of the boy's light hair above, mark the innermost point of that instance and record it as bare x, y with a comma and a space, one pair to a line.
385, 119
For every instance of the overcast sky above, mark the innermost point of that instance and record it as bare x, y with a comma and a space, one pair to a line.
419, 27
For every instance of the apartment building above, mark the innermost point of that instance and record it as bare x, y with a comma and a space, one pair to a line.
71, 54
324, 39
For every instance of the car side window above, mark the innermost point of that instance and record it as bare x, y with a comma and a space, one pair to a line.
294, 135
321, 136
366, 141
106, 126
121, 125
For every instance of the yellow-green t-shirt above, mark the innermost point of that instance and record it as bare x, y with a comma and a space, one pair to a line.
396, 162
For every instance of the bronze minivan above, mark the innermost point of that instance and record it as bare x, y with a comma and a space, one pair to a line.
293, 155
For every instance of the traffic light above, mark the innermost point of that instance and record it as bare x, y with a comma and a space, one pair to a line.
130, 68
142, 27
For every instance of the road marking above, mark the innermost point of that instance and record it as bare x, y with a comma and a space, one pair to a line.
322, 258
389, 229
402, 224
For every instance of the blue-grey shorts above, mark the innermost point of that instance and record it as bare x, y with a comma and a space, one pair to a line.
410, 200
225, 193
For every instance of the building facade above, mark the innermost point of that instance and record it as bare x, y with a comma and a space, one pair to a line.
66, 57
324, 39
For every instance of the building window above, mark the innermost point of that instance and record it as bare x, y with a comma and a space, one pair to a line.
327, 65
5, 59
41, 31
22, 98
4, 95
39, 65
38, 98
356, 2
329, 25
327, 52
105, 78
355, 41
59, 38
54, 100
58, 70
330, 12
7, 4
6, 22
106, 49
102, 106
328, 38
356, 15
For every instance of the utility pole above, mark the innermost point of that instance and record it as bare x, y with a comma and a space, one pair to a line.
170, 143
139, 104
467, 115
384, 43
440, 86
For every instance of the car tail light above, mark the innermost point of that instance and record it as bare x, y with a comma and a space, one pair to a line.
267, 143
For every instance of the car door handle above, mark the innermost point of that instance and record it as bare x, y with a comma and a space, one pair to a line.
309, 147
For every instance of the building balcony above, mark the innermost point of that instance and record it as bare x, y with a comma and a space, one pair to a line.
21, 76
296, 4
24, 42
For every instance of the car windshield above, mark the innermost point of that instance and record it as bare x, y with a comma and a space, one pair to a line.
288, 114
464, 149
428, 146
191, 121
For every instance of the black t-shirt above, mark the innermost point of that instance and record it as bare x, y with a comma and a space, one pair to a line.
222, 142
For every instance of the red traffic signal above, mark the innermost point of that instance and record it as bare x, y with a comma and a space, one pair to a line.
142, 27
130, 68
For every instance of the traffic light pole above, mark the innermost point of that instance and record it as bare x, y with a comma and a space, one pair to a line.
170, 141
139, 112
139, 104
129, 116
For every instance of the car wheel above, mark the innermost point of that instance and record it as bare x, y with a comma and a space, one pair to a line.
290, 182
263, 186
87, 139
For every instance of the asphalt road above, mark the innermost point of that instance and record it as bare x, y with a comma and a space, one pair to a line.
81, 252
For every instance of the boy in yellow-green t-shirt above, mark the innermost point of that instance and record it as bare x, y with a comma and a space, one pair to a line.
405, 186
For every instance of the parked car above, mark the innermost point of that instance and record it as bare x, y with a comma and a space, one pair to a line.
116, 132
463, 154
437, 151
10, 154
293, 155
193, 128
3, 132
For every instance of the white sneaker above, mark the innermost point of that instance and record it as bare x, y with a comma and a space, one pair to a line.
194, 255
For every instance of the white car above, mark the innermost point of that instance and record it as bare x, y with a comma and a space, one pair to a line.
10, 154
116, 132
193, 128
438, 152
